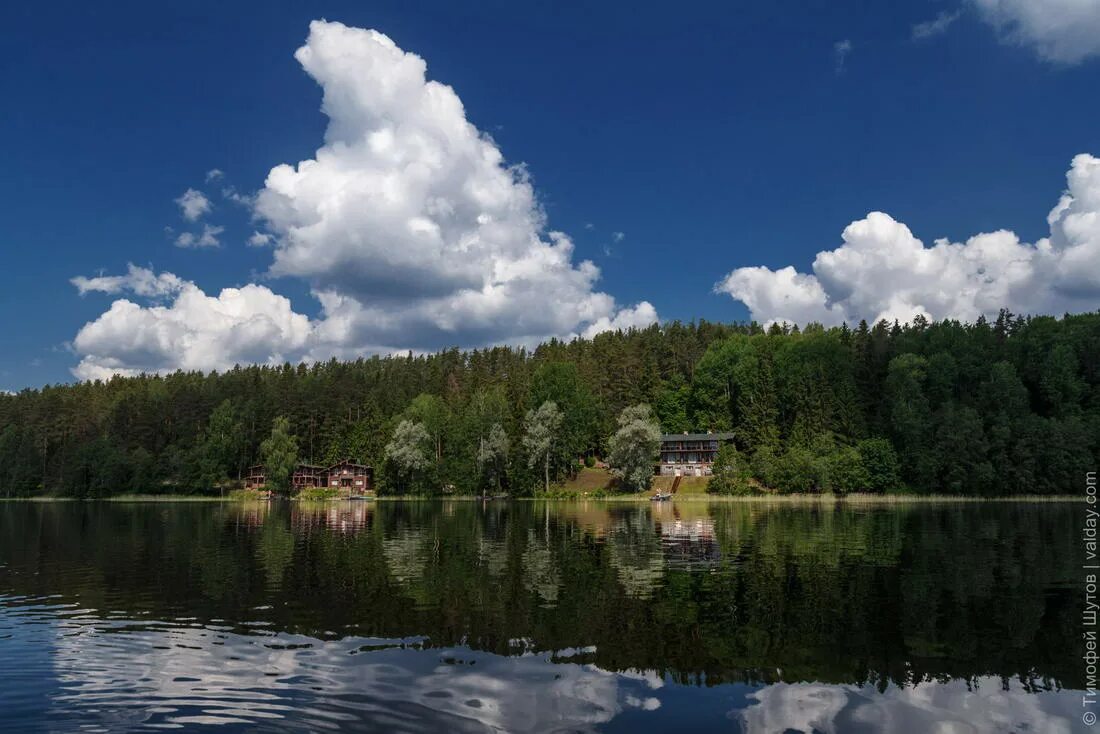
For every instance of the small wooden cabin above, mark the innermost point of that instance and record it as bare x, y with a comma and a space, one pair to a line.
309, 475
256, 478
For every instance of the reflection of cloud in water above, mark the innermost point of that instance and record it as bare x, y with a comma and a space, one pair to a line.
112, 673
210, 676
926, 707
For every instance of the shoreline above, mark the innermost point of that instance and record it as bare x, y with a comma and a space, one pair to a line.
854, 498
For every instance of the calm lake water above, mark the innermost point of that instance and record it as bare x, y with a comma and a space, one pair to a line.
459, 616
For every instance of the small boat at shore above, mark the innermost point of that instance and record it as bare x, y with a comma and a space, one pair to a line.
360, 497
659, 497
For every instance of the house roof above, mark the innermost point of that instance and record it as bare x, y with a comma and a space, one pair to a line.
669, 437
349, 462
317, 467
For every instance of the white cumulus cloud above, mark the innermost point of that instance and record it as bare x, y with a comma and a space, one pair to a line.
193, 204
409, 226
245, 200
138, 280
408, 223
259, 239
193, 332
1061, 31
207, 238
638, 317
882, 271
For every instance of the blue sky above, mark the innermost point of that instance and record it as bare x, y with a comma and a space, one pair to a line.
713, 139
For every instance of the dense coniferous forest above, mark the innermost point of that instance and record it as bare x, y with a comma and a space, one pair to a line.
1003, 407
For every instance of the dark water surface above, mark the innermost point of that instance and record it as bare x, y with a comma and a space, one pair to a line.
458, 616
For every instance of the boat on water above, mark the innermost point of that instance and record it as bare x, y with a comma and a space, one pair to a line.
360, 497
659, 497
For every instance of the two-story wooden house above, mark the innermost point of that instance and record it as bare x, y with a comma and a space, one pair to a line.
689, 454
347, 475
351, 475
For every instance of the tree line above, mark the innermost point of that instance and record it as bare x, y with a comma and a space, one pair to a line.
1001, 407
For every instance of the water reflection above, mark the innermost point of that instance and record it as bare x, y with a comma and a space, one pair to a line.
983, 705
537, 617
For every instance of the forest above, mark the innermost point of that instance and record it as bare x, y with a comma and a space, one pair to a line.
999, 407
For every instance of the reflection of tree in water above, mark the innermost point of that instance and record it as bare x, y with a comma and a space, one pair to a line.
275, 550
407, 553
540, 572
826, 534
824, 593
492, 555
635, 553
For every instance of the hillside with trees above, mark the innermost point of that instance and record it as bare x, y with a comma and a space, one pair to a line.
990, 408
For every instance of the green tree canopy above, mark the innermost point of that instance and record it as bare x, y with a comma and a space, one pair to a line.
279, 455
408, 453
731, 473
541, 427
633, 447
492, 456
220, 451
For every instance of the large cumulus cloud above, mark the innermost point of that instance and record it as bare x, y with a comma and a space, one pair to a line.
408, 223
882, 271
409, 226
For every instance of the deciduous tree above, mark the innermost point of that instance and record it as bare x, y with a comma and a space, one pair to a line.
408, 453
633, 447
541, 434
279, 455
492, 456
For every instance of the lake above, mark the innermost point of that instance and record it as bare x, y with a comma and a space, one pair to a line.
541, 616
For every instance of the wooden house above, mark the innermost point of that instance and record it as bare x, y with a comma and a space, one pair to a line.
308, 475
347, 475
352, 476
690, 454
256, 477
